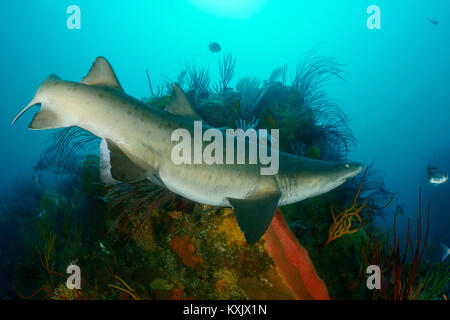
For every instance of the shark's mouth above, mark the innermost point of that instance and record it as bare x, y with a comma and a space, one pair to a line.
357, 170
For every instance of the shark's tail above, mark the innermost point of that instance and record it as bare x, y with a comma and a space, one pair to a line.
33, 102
445, 252
45, 118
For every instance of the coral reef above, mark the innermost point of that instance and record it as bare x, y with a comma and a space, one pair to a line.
227, 65
404, 275
139, 241
198, 79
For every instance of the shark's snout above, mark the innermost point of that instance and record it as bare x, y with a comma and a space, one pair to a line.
348, 170
353, 168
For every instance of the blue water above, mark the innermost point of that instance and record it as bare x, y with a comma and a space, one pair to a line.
396, 88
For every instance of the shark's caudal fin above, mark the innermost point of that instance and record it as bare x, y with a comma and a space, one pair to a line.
255, 215
45, 118
101, 74
446, 251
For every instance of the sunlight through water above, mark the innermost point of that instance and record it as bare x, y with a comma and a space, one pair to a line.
237, 9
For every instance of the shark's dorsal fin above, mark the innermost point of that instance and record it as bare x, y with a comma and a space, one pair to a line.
180, 105
254, 215
102, 74
116, 166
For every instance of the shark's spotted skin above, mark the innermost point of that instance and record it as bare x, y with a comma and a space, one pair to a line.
136, 144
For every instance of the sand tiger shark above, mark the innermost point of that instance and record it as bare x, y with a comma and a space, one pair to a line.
136, 145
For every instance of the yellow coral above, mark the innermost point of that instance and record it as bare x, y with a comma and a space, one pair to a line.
176, 214
64, 293
230, 228
126, 290
227, 281
145, 236
342, 223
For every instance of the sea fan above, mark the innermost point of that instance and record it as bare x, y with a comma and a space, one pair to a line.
198, 79
313, 74
63, 155
251, 92
227, 65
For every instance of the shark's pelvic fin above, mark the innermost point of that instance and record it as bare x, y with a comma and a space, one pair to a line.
254, 215
102, 75
180, 105
121, 167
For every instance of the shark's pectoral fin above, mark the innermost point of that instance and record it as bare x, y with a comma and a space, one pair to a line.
102, 74
116, 166
254, 215
180, 105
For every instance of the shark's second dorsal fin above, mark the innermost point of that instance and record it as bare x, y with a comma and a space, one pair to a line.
102, 74
180, 105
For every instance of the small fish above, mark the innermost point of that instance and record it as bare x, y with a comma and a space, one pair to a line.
445, 251
436, 176
398, 211
214, 47
41, 214
434, 22
102, 246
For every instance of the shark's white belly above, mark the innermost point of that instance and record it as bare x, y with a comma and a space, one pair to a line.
194, 193
210, 187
